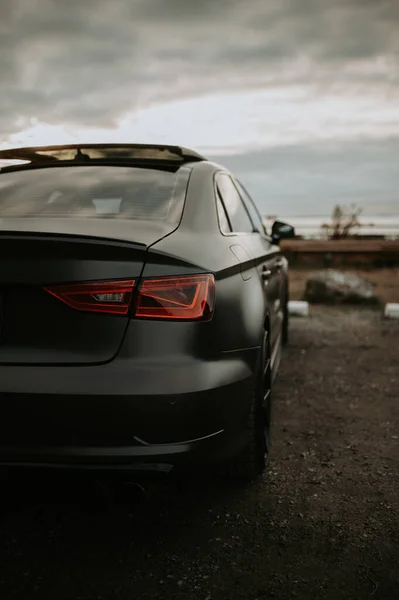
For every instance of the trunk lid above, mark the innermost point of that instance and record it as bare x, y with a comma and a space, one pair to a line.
37, 328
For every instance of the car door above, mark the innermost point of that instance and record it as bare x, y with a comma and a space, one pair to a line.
272, 261
251, 247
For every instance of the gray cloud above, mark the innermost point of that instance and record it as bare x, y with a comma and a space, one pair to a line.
86, 63
89, 62
310, 179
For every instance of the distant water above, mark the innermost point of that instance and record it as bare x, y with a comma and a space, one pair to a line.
387, 225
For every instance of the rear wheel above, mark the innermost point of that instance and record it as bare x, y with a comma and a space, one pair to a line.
253, 460
285, 328
286, 316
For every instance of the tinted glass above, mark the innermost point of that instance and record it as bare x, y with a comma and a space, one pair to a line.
94, 192
238, 216
251, 208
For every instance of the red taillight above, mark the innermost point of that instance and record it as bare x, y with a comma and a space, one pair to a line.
111, 297
186, 298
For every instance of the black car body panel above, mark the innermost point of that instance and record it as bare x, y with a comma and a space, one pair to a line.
81, 388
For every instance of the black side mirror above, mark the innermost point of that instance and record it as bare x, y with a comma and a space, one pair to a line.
282, 231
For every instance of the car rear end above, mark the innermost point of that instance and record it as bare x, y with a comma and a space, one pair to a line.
100, 365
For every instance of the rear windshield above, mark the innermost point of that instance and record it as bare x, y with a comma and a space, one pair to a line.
94, 192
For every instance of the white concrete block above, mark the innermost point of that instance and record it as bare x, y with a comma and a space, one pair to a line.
298, 308
391, 311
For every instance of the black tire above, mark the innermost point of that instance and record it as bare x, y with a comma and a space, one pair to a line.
285, 327
286, 317
253, 460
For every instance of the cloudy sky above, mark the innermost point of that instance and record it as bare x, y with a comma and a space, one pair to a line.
299, 97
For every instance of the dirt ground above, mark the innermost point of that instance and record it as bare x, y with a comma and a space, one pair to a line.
386, 282
323, 525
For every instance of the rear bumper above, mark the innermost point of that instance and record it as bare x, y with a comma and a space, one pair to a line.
126, 414
160, 458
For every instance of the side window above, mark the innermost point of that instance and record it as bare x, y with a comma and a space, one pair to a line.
250, 206
224, 223
235, 209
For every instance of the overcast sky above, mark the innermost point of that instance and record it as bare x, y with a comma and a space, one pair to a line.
299, 97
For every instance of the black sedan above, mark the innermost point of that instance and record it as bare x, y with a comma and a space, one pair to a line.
143, 308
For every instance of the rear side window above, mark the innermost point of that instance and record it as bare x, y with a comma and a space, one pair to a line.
101, 192
250, 206
224, 223
235, 209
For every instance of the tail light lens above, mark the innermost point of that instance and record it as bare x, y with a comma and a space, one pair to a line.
181, 298
111, 297
184, 298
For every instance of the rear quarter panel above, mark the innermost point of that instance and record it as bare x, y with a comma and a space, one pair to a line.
198, 246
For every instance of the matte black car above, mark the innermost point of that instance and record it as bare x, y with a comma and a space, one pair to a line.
142, 311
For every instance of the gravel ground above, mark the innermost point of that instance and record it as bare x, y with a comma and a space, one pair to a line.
323, 524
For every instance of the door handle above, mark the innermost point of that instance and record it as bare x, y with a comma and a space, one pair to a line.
266, 274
